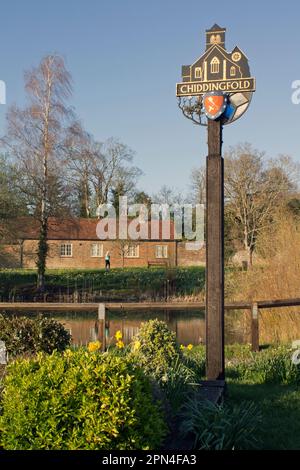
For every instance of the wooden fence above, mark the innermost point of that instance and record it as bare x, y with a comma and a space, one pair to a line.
101, 308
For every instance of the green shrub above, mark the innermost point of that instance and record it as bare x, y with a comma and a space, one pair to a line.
52, 335
23, 335
79, 400
158, 349
273, 365
159, 355
215, 427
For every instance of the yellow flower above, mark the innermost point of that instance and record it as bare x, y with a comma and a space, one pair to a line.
68, 353
182, 347
118, 335
189, 347
136, 345
94, 346
120, 344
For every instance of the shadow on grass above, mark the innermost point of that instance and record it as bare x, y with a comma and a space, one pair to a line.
280, 407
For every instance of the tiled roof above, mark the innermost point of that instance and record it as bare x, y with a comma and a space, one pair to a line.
79, 229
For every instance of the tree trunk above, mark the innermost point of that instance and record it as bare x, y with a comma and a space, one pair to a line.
21, 242
248, 249
250, 257
98, 198
43, 246
86, 199
42, 254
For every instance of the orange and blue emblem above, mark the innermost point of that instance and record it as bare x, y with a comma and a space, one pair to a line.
214, 104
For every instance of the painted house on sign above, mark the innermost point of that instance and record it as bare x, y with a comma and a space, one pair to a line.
217, 63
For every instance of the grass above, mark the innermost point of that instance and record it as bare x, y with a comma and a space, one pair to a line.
280, 407
278, 402
138, 281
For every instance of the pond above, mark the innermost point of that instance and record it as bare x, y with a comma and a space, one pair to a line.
189, 325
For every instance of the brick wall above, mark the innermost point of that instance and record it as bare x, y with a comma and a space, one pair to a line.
190, 257
81, 258
81, 254
10, 256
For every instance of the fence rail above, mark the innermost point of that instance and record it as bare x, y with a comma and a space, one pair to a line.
101, 308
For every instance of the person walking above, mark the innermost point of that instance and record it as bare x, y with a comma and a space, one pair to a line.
107, 261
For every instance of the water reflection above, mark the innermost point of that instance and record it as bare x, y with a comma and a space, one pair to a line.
188, 326
275, 326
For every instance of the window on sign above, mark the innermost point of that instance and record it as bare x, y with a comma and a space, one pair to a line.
198, 72
215, 65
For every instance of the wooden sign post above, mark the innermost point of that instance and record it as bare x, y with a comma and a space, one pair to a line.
215, 254
216, 90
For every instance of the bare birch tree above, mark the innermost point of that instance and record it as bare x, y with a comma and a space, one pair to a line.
35, 138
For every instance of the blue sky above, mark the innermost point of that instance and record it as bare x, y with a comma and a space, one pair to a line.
125, 57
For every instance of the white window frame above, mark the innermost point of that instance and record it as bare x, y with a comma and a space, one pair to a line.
198, 72
64, 250
232, 71
215, 65
128, 254
161, 251
98, 250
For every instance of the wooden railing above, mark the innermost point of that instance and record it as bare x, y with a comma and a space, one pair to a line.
101, 308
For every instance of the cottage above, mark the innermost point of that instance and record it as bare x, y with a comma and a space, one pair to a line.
74, 244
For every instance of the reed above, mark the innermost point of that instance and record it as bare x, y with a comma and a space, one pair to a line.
275, 275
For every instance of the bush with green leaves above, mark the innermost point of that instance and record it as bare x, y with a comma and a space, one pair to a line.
220, 427
159, 354
23, 335
158, 349
79, 400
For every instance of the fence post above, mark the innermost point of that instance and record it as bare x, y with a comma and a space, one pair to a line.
254, 327
101, 320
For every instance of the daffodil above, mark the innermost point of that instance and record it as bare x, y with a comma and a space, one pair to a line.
182, 347
94, 346
189, 347
120, 344
118, 335
136, 345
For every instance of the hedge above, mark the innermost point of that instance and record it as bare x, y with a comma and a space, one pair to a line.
183, 280
79, 400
